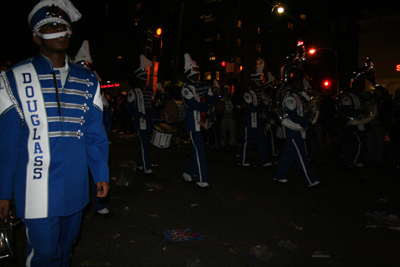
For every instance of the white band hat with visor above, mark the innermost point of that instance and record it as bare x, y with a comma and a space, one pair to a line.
53, 12
191, 67
142, 72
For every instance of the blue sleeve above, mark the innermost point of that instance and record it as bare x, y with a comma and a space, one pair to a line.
190, 101
97, 146
10, 140
294, 117
212, 101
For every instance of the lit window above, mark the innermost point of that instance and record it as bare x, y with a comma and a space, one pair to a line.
217, 75
258, 30
303, 17
239, 23
258, 47
239, 42
211, 56
207, 76
291, 26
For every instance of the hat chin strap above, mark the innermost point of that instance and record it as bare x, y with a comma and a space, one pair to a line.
55, 35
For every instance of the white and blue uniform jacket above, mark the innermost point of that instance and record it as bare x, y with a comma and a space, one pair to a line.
191, 95
253, 107
295, 108
140, 103
47, 141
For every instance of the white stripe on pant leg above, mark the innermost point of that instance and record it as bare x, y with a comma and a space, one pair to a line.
272, 141
197, 159
30, 256
359, 148
302, 163
244, 145
143, 157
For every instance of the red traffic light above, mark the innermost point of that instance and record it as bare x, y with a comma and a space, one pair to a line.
223, 63
327, 83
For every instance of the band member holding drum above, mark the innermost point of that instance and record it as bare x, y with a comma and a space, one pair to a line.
294, 128
192, 93
140, 107
252, 121
52, 113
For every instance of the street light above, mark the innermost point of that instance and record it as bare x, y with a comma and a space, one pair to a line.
314, 50
280, 11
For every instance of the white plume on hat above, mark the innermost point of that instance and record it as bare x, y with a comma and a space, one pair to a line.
259, 71
84, 53
271, 78
216, 84
189, 63
43, 18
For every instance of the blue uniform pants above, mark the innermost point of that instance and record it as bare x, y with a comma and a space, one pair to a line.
50, 240
295, 149
197, 161
143, 157
252, 135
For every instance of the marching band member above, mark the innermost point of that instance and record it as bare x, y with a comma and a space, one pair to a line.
214, 132
270, 126
140, 107
228, 123
53, 115
192, 92
295, 132
252, 121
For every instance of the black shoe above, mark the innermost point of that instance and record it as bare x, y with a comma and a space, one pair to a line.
105, 215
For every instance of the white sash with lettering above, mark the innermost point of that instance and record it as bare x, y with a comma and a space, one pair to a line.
141, 108
254, 114
37, 173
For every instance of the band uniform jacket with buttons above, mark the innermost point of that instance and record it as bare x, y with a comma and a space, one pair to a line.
49, 140
253, 107
295, 108
191, 95
140, 103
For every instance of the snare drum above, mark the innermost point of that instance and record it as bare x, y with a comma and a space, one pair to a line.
162, 135
5, 240
174, 111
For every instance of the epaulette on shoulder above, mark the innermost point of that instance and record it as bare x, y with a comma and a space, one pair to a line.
26, 61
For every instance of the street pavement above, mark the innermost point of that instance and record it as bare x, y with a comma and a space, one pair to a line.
245, 219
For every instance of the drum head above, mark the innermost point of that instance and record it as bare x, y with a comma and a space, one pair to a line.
170, 111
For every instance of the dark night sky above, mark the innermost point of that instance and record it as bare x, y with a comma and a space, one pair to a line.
114, 33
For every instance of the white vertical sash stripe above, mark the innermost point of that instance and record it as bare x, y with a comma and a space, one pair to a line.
37, 173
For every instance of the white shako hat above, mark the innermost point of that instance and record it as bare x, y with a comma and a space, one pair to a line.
259, 75
83, 54
52, 11
142, 71
190, 67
